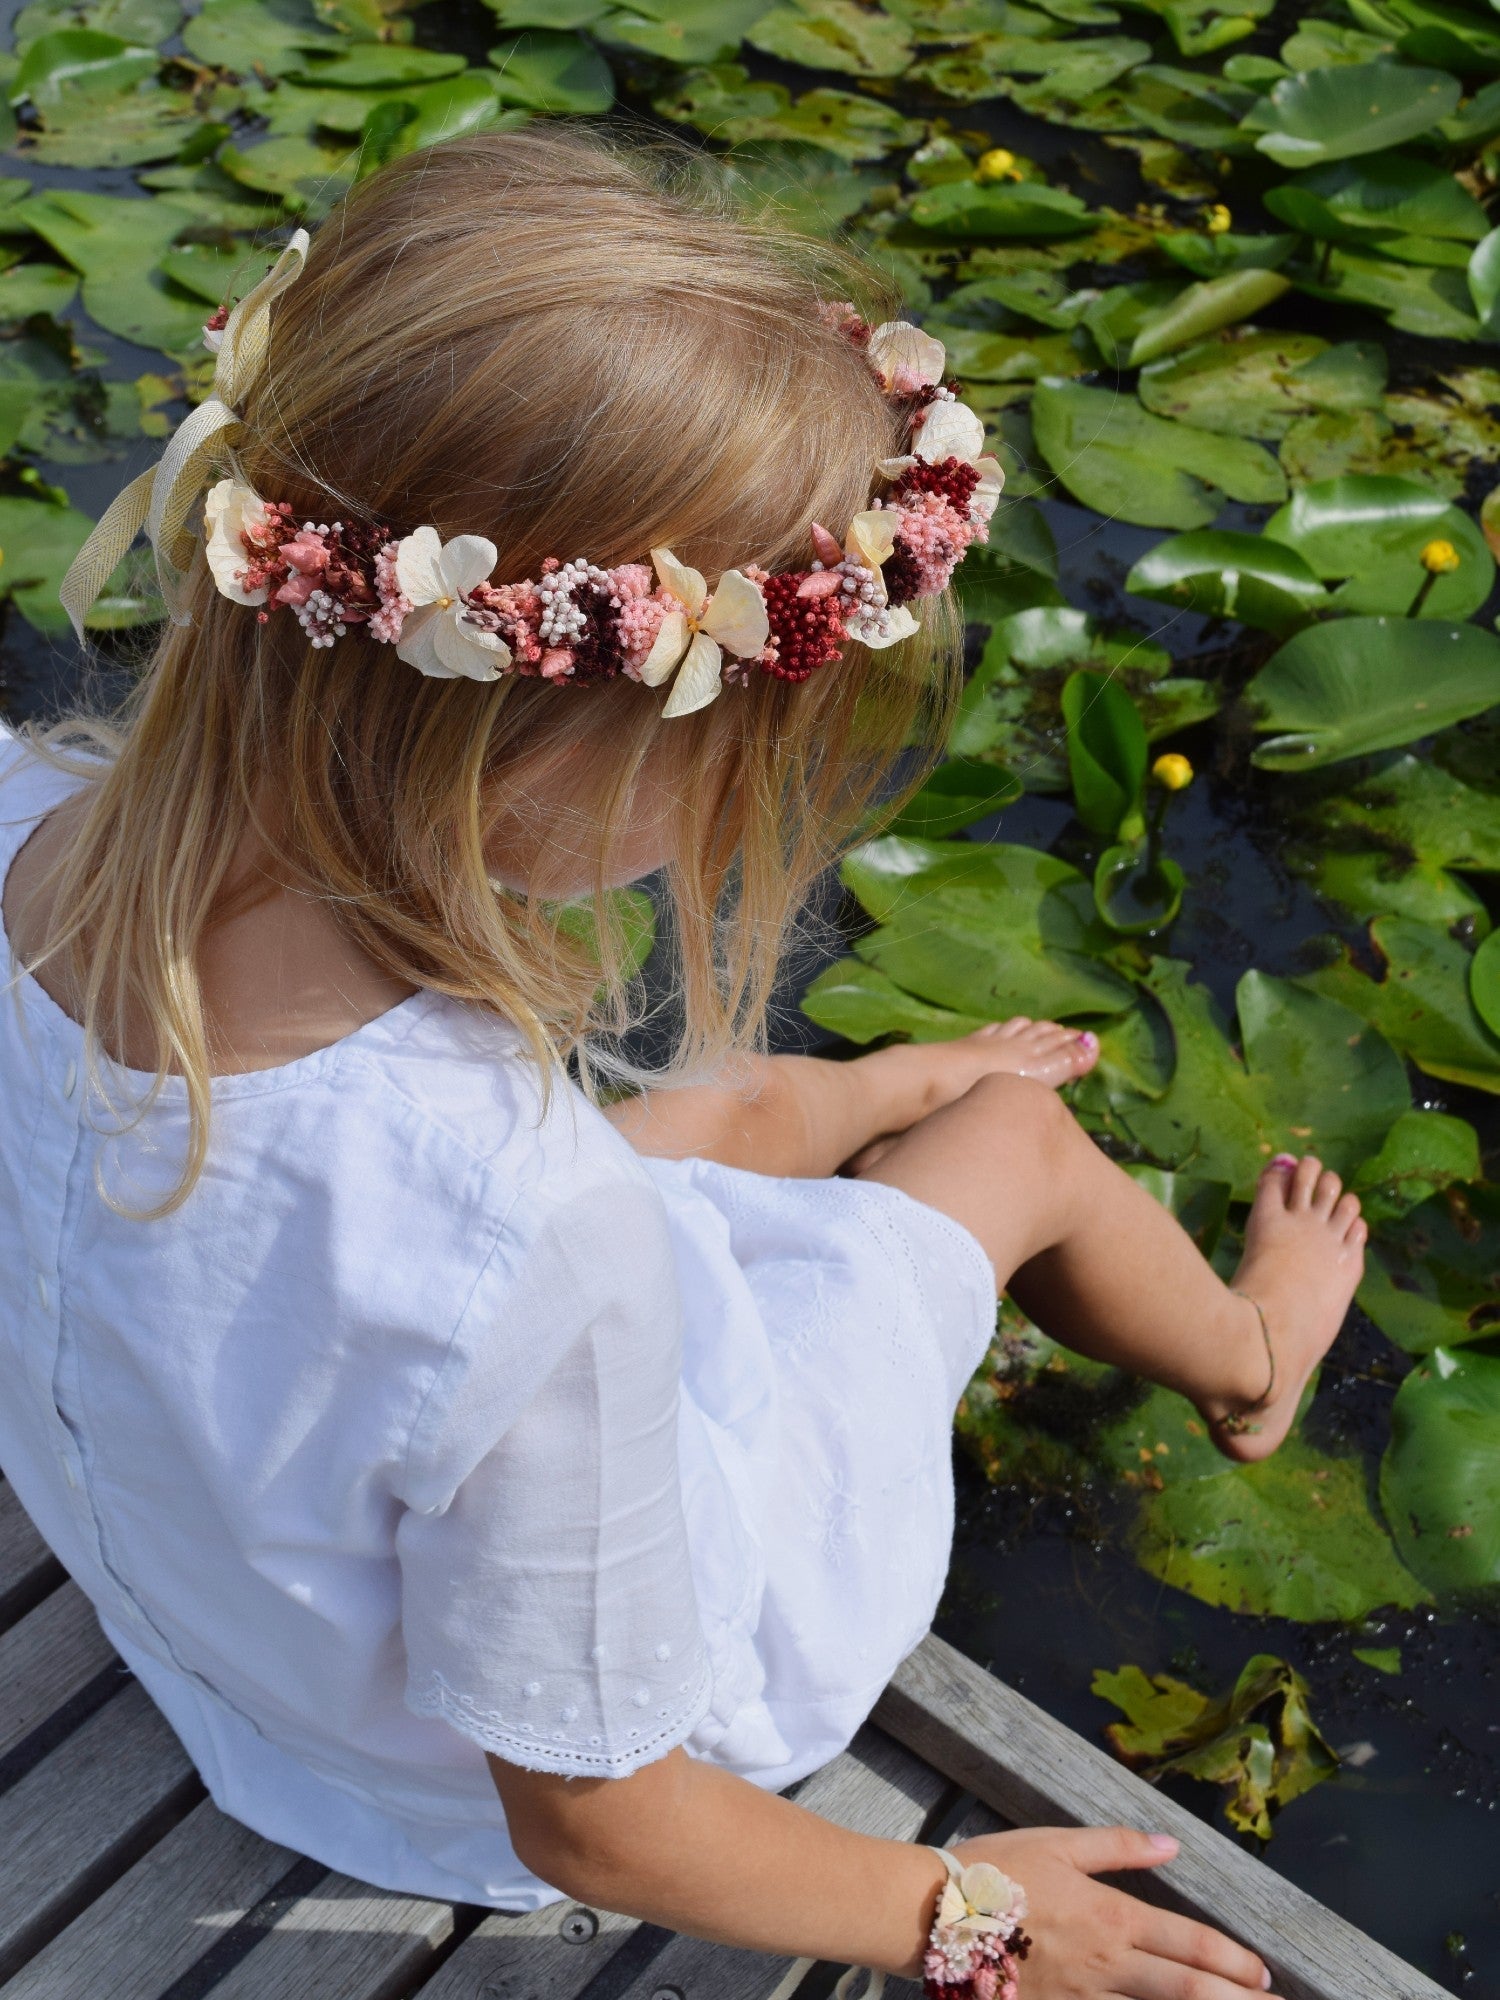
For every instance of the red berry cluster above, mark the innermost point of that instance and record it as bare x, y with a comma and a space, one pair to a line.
806, 632
952, 478
597, 655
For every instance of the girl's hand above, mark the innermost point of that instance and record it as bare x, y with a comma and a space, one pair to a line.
1091, 1942
933, 1074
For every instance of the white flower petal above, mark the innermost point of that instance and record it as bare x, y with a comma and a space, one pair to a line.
737, 616
667, 648
899, 349
686, 585
872, 535
465, 649
465, 561
699, 678
987, 1891
951, 1905
892, 468
888, 629
228, 507
418, 643
419, 567
949, 430
987, 492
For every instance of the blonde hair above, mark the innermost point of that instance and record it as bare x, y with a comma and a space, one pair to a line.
571, 347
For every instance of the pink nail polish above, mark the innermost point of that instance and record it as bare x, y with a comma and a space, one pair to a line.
1163, 1841
1088, 1040
1284, 1160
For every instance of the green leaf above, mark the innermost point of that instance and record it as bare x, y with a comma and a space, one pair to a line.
1201, 26
681, 31
1313, 1077
1205, 308
1370, 529
1186, 107
267, 35
1434, 303
1316, 44
974, 212
1247, 383
39, 541
1335, 113
375, 66
1364, 684
1135, 892
1170, 1727
466, 103
1440, 1477
835, 34
1117, 458
1484, 983
957, 794
863, 1005
1107, 754
1070, 70
35, 288
1225, 574
115, 242
1416, 811
1422, 1005
144, 22
1216, 256
1384, 1659
1381, 196
553, 73
79, 61
1377, 885
1292, 1537
1484, 281
307, 175
549, 13
1430, 1275
723, 101
1423, 1153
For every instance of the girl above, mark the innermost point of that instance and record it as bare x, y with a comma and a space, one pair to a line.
501, 1496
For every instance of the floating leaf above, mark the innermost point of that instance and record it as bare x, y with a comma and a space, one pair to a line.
1315, 44
1423, 1153
1204, 309
1433, 303
1384, 1659
553, 73
1377, 885
1225, 574
1171, 1727
35, 288
1484, 983
723, 101
39, 540
81, 61
681, 31
1070, 70
1186, 107
1201, 26
1335, 113
1107, 754
115, 242
1422, 1005
1370, 529
1417, 811
1484, 281
1216, 256
1432, 1276
1137, 892
271, 36
957, 794
1440, 1477
1116, 457
1252, 384
1310, 1079
302, 172
375, 66
835, 34
863, 1005
970, 211
1381, 197
145, 22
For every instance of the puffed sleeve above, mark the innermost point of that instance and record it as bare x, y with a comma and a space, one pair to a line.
547, 1601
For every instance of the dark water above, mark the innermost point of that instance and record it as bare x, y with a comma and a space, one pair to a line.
1405, 1841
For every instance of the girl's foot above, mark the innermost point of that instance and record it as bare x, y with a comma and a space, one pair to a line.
1044, 1050
1304, 1255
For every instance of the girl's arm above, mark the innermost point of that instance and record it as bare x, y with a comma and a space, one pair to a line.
804, 1116
692, 1847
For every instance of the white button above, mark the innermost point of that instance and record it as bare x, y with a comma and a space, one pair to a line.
42, 1293
70, 1079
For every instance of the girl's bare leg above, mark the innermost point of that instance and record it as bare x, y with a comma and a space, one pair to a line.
1102, 1266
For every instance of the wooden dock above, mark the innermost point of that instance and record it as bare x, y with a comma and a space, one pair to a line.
119, 1880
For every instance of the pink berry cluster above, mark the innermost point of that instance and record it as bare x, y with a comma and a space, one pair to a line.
986, 1967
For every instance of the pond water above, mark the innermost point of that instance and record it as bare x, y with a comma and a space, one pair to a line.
1405, 1839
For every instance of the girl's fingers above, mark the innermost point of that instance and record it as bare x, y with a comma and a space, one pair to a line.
1144, 1976
1104, 1850
1164, 1935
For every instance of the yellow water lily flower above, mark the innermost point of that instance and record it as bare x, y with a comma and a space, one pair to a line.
1172, 772
1218, 220
1439, 558
998, 164
699, 629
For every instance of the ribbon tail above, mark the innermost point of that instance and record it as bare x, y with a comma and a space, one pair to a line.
199, 441
100, 556
247, 332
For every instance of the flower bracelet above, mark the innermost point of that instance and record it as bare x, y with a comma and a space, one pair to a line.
976, 1945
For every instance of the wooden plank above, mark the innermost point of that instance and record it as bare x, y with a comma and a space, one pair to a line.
82, 1815
1035, 1772
28, 1568
549, 1954
340, 1941
54, 1651
875, 1787
159, 1918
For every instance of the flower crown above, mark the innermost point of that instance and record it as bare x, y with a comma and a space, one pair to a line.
436, 603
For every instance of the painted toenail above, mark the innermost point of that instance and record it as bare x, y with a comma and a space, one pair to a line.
1284, 1160
1087, 1040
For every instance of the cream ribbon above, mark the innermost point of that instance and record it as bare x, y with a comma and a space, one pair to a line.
161, 498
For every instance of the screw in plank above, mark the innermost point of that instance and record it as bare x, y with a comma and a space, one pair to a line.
578, 1926
667, 1993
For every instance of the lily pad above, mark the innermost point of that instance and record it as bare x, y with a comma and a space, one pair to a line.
1440, 1478
1423, 1153
1484, 281
1432, 1277
271, 36
1107, 754
145, 22
1416, 811
115, 242
35, 288
1205, 308
725, 102
958, 793
1371, 530
1364, 684
1292, 1537
1070, 70
1225, 574
835, 34
1422, 1005
1310, 1079
1347, 109
554, 73
1259, 1739
39, 541
1248, 383
309, 176
681, 31
974, 212
863, 1005
1119, 459
1199, 27
1377, 198
1137, 892
1434, 303
1484, 983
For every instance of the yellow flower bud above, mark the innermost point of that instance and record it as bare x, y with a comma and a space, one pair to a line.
1172, 772
1439, 558
1217, 220
998, 164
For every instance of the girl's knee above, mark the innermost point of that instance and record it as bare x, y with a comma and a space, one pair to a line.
1019, 1111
